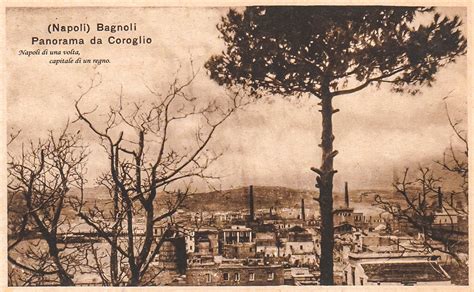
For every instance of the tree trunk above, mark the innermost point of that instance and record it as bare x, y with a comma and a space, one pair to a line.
64, 278
325, 184
134, 269
113, 253
135, 278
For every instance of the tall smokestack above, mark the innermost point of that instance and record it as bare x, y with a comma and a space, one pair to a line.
303, 215
346, 194
251, 210
440, 199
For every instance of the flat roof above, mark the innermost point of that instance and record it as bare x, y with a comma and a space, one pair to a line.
405, 272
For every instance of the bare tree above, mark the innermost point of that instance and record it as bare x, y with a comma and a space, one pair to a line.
417, 210
425, 197
455, 161
40, 178
154, 156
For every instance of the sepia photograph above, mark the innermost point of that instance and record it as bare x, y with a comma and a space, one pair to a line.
289, 145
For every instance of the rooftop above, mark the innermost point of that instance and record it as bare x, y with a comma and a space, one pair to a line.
405, 272
395, 255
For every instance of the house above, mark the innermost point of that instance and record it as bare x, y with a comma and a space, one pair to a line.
358, 220
373, 222
400, 268
300, 247
238, 242
241, 250
344, 228
288, 223
445, 217
206, 241
266, 241
343, 215
237, 234
300, 277
234, 273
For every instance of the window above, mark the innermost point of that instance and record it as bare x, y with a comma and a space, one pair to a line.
362, 281
236, 277
252, 277
301, 247
226, 276
208, 278
270, 276
353, 276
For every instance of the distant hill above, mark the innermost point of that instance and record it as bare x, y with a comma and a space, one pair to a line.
237, 199
265, 197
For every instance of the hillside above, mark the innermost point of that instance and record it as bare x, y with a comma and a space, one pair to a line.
265, 197
237, 199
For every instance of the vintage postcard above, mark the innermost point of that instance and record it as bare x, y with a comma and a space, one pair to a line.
237, 145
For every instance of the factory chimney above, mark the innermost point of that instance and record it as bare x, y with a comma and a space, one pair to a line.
303, 215
440, 199
251, 209
346, 194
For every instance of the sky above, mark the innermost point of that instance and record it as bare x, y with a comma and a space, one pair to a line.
272, 142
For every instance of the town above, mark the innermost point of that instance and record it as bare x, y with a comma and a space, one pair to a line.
281, 246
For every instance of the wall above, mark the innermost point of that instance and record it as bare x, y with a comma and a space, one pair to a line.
200, 276
239, 250
292, 247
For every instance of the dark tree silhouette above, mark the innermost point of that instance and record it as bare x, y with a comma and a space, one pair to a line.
150, 173
40, 178
424, 196
330, 51
418, 207
455, 161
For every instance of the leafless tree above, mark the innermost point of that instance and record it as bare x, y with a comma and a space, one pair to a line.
424, 198
455, 161
40, 176
154, 158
